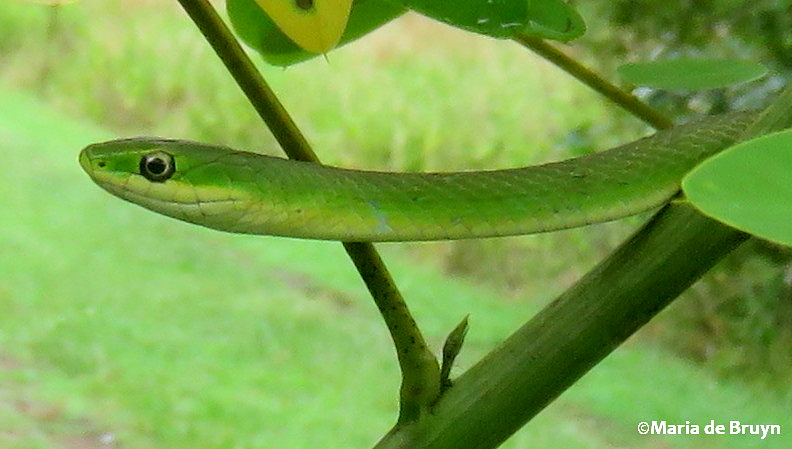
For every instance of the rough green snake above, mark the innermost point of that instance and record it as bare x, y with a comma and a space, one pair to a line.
243, 192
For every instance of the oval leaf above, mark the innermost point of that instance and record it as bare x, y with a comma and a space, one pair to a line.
747, 187
691, 74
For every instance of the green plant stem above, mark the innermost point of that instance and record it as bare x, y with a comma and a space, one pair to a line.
514, 382
420, 386
573, 333
249, 79
419, 367
588, 77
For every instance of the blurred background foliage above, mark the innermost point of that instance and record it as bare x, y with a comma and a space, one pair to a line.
404, 98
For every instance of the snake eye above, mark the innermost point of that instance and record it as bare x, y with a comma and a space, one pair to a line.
157, 166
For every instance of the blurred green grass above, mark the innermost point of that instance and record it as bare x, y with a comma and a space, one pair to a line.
120, 325
116, 323
393, 101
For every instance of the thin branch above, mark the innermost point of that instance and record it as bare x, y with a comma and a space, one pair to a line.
588, 77
249, 80
420, 386
420, 372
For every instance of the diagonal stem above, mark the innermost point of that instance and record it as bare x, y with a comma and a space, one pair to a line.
572, 334
419, 367
593, 80
249, 79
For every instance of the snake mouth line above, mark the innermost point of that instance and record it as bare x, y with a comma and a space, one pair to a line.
220, 214
171, 206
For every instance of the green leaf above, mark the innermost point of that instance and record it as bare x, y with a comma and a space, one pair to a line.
748, 187
504, 19
547, 19
257, 30
691, 74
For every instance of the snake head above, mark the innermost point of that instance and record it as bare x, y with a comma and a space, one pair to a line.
177, 178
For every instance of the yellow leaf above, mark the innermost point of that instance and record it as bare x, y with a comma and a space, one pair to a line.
314, 25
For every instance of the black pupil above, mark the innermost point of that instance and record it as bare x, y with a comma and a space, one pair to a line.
156, 166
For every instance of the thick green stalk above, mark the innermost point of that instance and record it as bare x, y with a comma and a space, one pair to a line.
514, 382
419, 367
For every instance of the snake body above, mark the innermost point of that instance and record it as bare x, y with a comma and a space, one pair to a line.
243, 192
